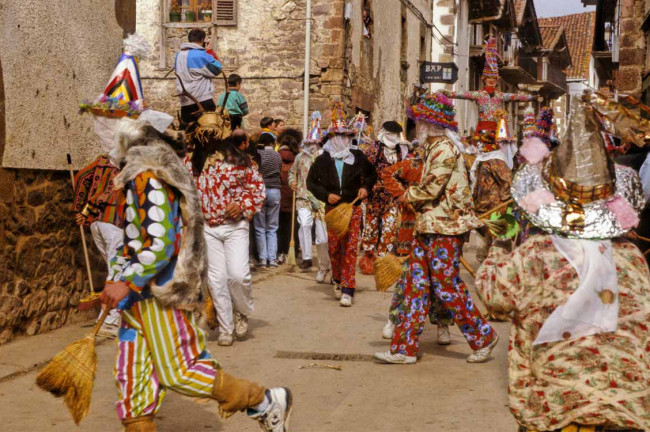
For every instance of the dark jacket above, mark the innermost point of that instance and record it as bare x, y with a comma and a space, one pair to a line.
324, 180
286, 200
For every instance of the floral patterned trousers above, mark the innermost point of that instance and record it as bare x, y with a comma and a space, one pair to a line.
343, 254
433, 271
380, 231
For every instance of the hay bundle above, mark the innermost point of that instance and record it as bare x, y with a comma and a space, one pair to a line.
338, 219
388, 270
71, 374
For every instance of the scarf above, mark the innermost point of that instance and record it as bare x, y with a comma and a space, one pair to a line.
339, 148
593, 307
390, 140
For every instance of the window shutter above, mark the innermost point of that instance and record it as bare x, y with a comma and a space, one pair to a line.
225, 12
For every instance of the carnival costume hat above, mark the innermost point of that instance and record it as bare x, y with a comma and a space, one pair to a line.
123, 95
339, 124
529, 126
544, 126
491, 67
315, 132
435, 108
576, 191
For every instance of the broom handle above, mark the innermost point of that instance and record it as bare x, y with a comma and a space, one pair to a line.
292, 243
495, 209
100, 321
83, 235
465, 264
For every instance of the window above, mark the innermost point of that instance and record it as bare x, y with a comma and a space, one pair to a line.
199, 12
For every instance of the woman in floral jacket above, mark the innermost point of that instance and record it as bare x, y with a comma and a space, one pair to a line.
231, 192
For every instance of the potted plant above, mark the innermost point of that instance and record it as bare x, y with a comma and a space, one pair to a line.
175, 12
206, 10
207, 15
190, 16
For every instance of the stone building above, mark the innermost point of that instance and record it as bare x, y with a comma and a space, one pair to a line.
47, 66
371, 70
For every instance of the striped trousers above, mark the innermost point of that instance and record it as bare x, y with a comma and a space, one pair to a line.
159, 349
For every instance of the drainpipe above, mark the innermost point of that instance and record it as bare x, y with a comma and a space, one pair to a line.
305, 117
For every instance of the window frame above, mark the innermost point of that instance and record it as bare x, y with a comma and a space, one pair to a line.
166, 7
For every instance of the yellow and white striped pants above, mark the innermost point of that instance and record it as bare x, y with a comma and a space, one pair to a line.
158, 349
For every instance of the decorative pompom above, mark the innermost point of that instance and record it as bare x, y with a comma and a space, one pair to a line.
625, 214
534, 200
533, 150
137, 46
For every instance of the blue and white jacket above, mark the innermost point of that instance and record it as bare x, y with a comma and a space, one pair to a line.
196, 68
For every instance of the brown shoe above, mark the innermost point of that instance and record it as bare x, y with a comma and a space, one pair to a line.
139, 424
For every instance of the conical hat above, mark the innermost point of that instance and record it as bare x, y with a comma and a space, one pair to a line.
315, 132
491, 67
544, 126
529, 122
339, 124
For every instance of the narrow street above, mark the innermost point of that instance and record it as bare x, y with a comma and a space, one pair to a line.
296, 316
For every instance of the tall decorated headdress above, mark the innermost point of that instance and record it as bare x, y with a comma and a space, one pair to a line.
123, 96
503, 132
576, 190
529, 128
435, 108
315, 132
491, 67
544, 126
339, 125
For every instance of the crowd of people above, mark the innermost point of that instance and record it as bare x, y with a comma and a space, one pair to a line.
173, 211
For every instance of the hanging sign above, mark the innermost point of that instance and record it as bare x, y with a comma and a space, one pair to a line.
438, 72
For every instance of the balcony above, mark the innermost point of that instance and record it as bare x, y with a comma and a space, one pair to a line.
553, 80
519, 70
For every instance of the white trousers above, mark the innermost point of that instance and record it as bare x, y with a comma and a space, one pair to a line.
108, 238
306, 220
229, 274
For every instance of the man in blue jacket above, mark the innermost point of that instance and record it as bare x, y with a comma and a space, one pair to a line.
196, 66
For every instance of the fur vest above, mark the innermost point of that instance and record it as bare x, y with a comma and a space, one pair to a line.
186, 288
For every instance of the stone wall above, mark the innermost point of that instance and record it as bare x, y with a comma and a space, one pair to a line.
42, 269
632, 50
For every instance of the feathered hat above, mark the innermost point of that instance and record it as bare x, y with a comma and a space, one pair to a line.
123, 95
576, 190
339, 124
315, 133
491, 67
435, 108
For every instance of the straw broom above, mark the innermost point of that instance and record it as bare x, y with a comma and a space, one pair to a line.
338, 219
291, 259
71, 373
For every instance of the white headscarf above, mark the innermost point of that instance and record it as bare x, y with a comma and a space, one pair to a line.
339, 148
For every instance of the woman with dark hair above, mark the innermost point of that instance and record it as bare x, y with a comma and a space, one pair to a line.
231, 192
288, 140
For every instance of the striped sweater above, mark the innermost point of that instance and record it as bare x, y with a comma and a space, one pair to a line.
270, 167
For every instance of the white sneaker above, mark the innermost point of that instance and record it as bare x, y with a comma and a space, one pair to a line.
337, 291
241, 325
225, 339
389, 330
346, 300
444, 338
481, 355
388, 358
321, 275
275, 418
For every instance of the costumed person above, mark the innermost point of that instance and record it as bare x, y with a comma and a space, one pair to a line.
231, 191
443, 203
382, 212
579, 291
311, 211
96, 202
545, 127
157, 281
342, 175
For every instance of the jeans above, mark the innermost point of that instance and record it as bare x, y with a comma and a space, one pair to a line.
229, 276
266, 227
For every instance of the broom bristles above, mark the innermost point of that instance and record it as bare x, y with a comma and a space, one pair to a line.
338, 219
388, 270
71, 375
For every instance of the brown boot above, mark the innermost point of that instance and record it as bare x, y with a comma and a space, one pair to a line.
235, 394
139, 424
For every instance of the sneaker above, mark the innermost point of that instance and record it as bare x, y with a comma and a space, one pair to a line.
306, 265
321, 275
337, 291
389, 329
241, 325
275, 418
109, 330
282, 258
389, 358
273, 263
444, 338
225, 339
346, 300
261, 264
481, 355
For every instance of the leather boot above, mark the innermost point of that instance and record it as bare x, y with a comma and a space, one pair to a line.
139, 424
